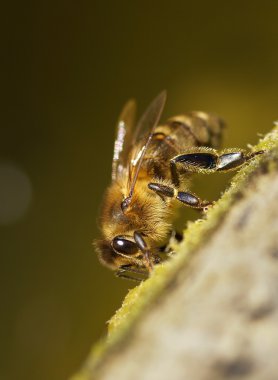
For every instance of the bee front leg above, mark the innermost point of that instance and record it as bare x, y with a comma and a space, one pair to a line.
132, 273
207, 160
142, 245
185, 197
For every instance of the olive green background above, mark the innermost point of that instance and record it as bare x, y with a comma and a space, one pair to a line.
66, 70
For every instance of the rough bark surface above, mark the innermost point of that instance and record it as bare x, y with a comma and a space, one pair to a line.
217, 318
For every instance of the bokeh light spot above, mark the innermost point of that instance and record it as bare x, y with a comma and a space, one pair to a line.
15, 193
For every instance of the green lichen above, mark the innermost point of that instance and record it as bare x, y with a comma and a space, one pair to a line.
138, 299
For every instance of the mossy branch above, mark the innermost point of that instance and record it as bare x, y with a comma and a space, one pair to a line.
212, 311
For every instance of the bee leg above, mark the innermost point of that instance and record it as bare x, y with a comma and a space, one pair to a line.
132, 273
167, 249
187, 198
206, 160
233, 160
142, 245
174, 172
176, 235
162, 190
191, 200
122, 274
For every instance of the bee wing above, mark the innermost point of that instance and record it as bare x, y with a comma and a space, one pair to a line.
124, 137
142, 137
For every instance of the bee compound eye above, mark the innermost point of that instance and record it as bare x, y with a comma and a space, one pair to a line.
124, 246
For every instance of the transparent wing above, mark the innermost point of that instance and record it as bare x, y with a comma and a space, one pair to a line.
150, 117
142, 137
124, 137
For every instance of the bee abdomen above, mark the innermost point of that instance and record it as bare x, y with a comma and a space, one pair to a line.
202, 129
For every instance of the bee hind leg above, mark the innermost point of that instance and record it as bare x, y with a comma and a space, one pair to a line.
207, 160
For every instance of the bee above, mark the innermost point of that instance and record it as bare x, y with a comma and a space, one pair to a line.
151, 172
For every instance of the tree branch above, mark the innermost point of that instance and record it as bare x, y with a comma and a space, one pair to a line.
212, 311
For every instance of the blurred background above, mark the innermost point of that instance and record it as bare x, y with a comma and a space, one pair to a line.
66, 70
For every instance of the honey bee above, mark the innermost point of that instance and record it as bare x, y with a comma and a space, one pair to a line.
151, 171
